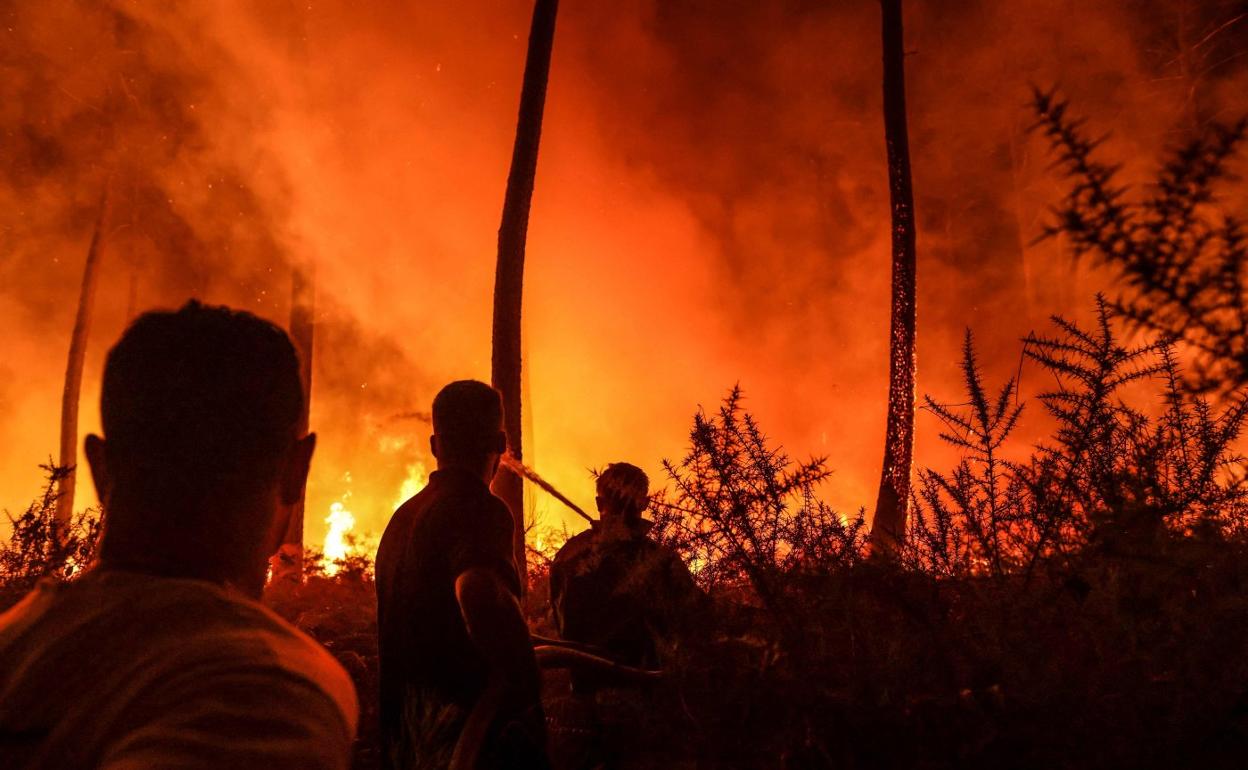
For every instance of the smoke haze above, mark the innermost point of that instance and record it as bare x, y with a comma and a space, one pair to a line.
711, 206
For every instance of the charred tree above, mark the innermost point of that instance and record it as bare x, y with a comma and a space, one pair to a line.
509, 275
73, 369
891, 508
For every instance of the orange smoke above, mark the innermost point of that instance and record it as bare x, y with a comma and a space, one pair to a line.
710, 209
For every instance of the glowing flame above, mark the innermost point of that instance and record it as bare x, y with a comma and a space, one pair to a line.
337, 546
417, 478
341, 539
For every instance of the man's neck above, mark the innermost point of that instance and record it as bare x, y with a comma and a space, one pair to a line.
483, 472
248, 581
616, 528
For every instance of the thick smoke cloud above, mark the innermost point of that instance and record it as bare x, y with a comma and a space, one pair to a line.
711, 204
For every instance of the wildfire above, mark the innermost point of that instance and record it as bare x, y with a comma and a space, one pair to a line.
341, 539
338, 544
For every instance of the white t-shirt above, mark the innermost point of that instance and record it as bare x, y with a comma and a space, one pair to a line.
125, 671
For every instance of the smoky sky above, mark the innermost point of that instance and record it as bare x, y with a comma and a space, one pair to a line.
711, 204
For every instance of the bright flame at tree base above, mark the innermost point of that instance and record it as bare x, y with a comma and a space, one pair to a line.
342, 541
337, 543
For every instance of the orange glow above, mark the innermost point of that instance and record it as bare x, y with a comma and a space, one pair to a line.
710, 209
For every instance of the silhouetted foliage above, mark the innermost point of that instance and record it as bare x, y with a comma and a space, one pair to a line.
1110, 477
1081, 606
743, 513
966, 521
1078, 599
1182, 256
41, 547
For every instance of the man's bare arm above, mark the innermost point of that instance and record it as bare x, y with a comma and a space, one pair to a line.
497, 628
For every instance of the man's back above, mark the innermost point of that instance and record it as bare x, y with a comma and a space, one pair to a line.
122, 670
618, 591
427, 660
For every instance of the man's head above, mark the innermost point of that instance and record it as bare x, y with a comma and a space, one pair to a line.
468, 427
201, 460
623, 492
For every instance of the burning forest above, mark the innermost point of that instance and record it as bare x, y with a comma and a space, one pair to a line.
673, 384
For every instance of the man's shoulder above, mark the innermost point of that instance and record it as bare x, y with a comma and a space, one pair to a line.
295, 653
467, 506
134, 665
263, 643
579, 540
576, 547
168, 626
398, 531
248, 636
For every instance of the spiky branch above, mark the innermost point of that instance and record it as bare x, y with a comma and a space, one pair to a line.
1182, 257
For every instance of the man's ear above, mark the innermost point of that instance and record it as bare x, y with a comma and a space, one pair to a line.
598, 501
500, 443
96, 459
295, 472
433, 445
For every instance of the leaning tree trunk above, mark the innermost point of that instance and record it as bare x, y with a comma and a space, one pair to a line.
509, 277
73, 371
889, 526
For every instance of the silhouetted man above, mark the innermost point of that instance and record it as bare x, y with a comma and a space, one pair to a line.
456, 657
614, 588
159, 656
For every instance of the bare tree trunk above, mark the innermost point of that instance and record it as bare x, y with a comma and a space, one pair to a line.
526, 399
73, 369
892, 507
292, 20
302, 330
509, 277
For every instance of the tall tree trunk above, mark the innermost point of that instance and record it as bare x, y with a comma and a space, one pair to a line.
302, 330
891, 508
73, 369
526, 399
509, 276
292, 20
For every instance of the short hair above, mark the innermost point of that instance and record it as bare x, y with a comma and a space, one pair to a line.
198, 406
467, 417
624, 488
